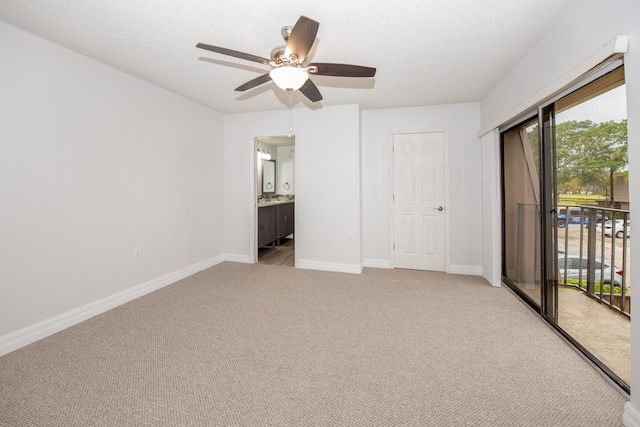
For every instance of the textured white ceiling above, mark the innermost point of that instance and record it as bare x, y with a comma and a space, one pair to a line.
426, 51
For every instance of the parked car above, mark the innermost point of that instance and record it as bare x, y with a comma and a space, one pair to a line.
573, 268
616, 227
576, 216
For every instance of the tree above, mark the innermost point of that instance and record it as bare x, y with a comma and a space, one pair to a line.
590, 154
613, 137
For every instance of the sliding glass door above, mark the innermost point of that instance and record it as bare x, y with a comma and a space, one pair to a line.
566, 221
521, 210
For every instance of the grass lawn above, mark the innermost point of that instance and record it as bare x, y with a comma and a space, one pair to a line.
617, 290
579, 199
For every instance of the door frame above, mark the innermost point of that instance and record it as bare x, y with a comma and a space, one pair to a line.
447, 234
253, 218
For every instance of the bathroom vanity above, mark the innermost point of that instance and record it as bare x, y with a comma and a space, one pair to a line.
275, 221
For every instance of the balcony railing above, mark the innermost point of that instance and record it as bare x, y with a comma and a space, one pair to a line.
593, 248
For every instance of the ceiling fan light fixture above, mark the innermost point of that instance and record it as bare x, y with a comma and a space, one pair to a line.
289, 77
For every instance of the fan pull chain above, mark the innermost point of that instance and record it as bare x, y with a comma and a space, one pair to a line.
290, 113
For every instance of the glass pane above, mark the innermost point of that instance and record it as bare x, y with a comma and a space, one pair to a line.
521, 171
592, 186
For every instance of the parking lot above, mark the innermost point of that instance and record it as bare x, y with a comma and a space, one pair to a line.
569, 239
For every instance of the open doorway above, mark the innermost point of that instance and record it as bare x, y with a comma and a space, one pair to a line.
275, 200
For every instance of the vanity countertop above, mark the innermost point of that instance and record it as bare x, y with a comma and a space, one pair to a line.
273, 202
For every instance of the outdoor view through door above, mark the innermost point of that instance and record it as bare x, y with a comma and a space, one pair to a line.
566, 219
275, 197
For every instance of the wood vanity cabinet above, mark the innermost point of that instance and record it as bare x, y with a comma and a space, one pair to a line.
275, 222
285, 218
266, 225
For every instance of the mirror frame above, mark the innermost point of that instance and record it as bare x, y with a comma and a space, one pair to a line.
268, 176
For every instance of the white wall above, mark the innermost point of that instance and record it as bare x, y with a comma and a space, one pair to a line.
491, 209
286, 155
461, 121
580, 34
327, 184
94, 163
588, 27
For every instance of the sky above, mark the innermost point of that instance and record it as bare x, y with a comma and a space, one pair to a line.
609, 106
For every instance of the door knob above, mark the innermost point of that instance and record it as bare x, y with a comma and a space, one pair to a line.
439, 208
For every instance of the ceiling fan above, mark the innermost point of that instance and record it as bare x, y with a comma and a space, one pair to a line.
289, 70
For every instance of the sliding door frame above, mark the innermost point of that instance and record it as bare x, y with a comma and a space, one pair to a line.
548, 307
546, 137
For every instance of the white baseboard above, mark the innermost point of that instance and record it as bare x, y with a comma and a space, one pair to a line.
237, 258
33, 333
470, 270
376, 263
454, 269
329, 266
630, 416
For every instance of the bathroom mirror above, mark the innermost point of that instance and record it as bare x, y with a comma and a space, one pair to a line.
269, 176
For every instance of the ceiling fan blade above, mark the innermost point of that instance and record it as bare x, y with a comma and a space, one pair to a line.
301, 38
342, 70
234, 53
255, 82
310, 90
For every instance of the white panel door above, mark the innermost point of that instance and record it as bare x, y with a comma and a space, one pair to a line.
418, 201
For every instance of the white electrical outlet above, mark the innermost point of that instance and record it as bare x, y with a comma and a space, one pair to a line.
137, 253
351, 237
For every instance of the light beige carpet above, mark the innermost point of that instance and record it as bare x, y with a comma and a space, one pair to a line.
258, 345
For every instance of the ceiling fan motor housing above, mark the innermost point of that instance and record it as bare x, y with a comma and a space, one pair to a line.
277, 54
286, 32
